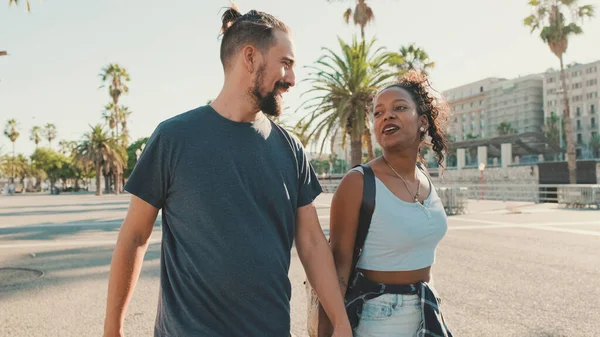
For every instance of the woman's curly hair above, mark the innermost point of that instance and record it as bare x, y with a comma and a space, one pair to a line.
433, 107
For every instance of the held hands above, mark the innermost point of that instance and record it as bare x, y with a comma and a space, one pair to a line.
342, 331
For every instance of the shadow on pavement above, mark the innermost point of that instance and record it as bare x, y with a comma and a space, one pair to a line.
69, 266
58, 212
49, 231
88, 204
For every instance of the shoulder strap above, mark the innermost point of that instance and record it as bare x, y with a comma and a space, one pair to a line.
364, 219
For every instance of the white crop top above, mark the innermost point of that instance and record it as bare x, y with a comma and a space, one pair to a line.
403, 236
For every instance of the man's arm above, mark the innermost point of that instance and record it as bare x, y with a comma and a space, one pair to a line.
127, 262
317, 259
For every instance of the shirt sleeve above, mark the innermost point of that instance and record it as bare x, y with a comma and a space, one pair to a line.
151, 175
309, 186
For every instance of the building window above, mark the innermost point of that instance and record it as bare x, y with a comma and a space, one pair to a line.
578, 124
578, 109
480, 89
593, 122
579, 138
592, 109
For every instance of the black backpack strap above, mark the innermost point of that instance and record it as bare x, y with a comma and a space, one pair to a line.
364, 219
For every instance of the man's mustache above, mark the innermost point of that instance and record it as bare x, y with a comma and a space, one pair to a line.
282, 85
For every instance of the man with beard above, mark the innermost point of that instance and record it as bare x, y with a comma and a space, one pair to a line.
236, 190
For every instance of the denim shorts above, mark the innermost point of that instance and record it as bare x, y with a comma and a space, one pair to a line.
390, 315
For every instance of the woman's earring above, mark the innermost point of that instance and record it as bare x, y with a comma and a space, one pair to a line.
422, 129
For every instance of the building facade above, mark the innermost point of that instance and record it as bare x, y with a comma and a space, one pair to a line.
467, 106
518, 103
583, 86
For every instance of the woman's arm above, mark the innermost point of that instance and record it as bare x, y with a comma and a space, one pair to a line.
343, 224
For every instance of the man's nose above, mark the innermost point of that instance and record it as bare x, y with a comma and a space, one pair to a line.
290, 78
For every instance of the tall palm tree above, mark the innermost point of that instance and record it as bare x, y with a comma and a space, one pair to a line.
123, 117
16, 2
116, 76
110, 116
362, 15
555, 29
115, 116
412, 58
102, 152
36, 135
50, 133
10, 131
344, 85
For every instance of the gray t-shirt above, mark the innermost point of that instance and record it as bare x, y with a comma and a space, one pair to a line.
229, 192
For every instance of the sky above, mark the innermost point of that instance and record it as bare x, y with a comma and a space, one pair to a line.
171, 50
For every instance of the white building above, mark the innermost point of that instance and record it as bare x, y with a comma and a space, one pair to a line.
583, 86
467, 105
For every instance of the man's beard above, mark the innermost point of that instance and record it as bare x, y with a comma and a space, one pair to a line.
269, 104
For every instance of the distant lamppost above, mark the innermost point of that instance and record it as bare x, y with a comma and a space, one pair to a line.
481, 179
139, 151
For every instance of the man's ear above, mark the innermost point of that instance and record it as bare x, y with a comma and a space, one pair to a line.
249, 56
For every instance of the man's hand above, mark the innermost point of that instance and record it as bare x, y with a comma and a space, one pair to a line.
345, 331
317, 259
110, 333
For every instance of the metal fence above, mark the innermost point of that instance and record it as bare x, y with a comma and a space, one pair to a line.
571, 195
455, 196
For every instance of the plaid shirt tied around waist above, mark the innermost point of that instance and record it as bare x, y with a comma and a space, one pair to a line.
432, 320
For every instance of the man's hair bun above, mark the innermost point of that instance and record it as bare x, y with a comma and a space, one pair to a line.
229, 17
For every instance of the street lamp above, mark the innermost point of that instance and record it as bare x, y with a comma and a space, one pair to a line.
481, 179
138, 152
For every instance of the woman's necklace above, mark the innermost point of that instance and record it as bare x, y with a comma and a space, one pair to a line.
416, 198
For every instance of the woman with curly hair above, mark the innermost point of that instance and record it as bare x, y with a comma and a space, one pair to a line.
386, 278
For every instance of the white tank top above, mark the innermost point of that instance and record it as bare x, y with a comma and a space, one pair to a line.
403, 236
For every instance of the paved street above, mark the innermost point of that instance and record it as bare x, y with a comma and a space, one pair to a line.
504, 269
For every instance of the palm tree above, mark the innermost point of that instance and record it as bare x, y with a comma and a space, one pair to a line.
555, 30
505, 129
67, 147
411, 58
50, 132
110, 116
117, 77
102, 152
36, 135
595, 145
345, 85
10, 131
362, 16
552, 131
16, 2
123, 117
